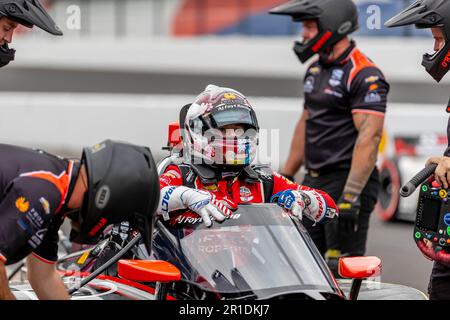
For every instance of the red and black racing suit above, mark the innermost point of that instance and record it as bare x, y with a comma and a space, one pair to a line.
243, 189
34, 188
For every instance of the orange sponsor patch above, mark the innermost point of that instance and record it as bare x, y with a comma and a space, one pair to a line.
22, 204
373, 87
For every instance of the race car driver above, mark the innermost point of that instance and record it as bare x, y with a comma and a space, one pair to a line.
339, 131
28, 13
113, 182
434, 14
216, 175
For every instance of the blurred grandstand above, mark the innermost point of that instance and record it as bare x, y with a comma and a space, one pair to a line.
208, 17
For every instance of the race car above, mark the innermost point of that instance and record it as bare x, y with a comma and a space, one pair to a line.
406, 156
261, 252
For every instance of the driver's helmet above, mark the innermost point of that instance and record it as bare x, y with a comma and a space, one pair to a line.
28, 13
335, 20
123, 185
206, 139
428, 14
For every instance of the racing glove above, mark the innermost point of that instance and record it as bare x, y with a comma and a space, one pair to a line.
299, 203
201, 202
349, 206
425, 246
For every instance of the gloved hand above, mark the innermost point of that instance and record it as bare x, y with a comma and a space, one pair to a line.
300, 202
349, 206
201, 202
425, 246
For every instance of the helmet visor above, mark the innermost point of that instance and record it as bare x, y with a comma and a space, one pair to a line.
227, 115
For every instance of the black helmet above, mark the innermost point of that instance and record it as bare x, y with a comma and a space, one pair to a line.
28, 13
428, 14
335, 18
123, 185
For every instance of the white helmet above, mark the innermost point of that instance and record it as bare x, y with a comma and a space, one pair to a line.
205, 143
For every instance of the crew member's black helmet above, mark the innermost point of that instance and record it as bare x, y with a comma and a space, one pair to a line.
28, 13
123, 185
428, 14
335, 19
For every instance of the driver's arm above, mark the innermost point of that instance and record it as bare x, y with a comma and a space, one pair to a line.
5, 292
45, 280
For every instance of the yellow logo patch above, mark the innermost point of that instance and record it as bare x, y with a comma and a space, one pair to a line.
45, 205
22, 204
345, 206
229, 96
314, 70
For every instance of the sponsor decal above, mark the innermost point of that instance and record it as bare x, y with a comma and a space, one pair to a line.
45, 205
102, 197
337, 74
314, 70
22, 204
36, 239
333, 93
245, 194
35, 218
336, 77
97, 227
309, 84
263, 174
372, 97
98, 147
345, 27
172, 174
165, 202
193, 218
373, 87
229, 96
446, 60
371, 79
320, 212
211, 187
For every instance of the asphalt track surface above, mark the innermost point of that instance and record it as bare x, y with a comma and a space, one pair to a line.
402, 261
57, 80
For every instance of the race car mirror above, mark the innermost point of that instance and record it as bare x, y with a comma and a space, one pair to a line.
148, 271
174, 136
433, 215
359, 267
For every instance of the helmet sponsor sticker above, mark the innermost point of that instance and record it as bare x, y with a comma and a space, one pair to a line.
98, 147
102, 197
229, 96
345, 27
